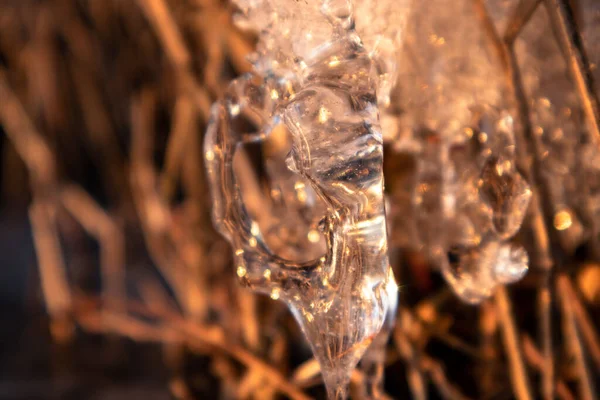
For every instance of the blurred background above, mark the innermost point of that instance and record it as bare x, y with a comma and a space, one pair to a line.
115, 285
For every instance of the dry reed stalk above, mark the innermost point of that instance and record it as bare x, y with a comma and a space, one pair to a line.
106, 231
584, 323
573, 339
517, 370
177, 231
537, 361
40, 162
414, 375
176, 329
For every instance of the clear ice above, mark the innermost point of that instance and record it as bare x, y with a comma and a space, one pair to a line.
317, 91
332, 81
468, 198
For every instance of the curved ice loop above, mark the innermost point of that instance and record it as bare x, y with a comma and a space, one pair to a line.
341, 299
297, 211
257, 266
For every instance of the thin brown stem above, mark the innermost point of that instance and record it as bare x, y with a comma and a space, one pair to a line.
544, 303
537, 361
84, 68
405, 348
55, 288
517, 370
584, 323
39, 159
520, 16
438, 377
176, 145
100, 225
488, 324
168, 244
571, 44
573, 339
166, 28
30, 145
175, 329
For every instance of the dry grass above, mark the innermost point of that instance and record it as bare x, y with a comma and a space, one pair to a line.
104, 102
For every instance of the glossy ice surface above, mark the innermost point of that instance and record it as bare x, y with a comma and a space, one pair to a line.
342, 297
467, 197
333, 80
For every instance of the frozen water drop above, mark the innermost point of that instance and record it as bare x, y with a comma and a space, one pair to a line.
512, 263
508, 193
474, 273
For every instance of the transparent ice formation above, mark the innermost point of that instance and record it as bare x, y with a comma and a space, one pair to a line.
467, 198
325, 100
332, 81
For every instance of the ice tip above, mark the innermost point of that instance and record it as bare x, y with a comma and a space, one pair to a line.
336, 383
